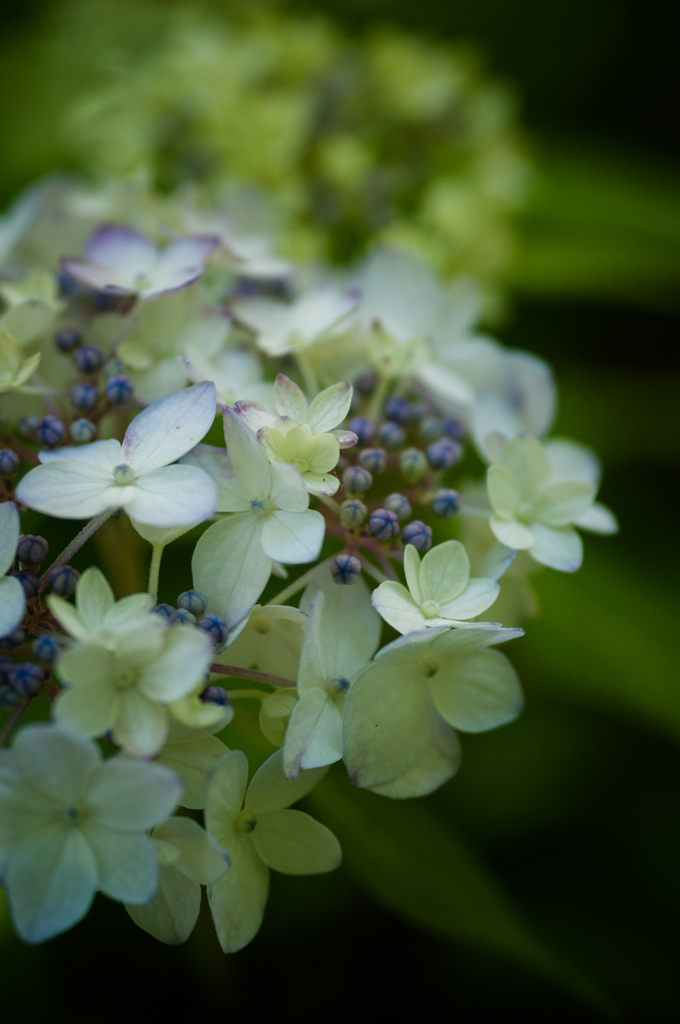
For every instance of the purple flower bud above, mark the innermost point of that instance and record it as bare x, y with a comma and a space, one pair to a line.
391, 435
215, 695
9, 462
215, 626
445, 503
182, 617
418, 534
32, 550
27, 427
88, 359
64, 580
164, 610
352, 512
46, 648
345, 570
444, 454
383, 525
67, 339
82, 431
50, 431
373, 459
193, 601
84, 396
119, 389
454, 428
398, 409
30, 582
26, 678
356, 480
398, 504
363, 428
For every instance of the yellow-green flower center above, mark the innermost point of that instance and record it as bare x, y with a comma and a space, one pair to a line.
428, 666
246, 821
430, 609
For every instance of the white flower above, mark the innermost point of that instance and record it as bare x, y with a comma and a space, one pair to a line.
342, 635
98, 618
259, 832
129, 692
12, 599
71, 825
233, 559
440, 591
290, 327
188, 858
391, 710
121, 260
270, 641
76, 483
536, 500
516, 394
191, 753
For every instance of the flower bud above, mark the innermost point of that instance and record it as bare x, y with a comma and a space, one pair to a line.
366, 383
30, 583
64, 580
88, 359
215, 695
356, 480
193, 601
418, 534
383, 525
445, 503
352, 512
84, 396
443, 454
454, 428
50, 431
345, 569
413, 464
363, 428
182, 617
27, 427
32, 550
398, 504
12, 640
373, 459
67, 339
82, 431
431, 428
114, 367
9, 462
119, 390
164, 610
26, 678
398, 409
46, 648
391, 435
215, 626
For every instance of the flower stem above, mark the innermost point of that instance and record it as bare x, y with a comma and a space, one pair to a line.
12, 722
77, 543
249, 673
377, 399
155, 568
299, 583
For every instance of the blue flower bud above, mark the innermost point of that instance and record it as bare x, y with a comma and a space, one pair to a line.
32, 550
431, 428
413, 464
215, 626
373, 459
182, 617
12, 640
46, 648
64, 580
398, 409
84, 396
82, 431
114, 366
119, 389
398, 504
363, 428
383, 525
215, 695
454, 428
88, 359
67, 339
352, 512
9, 462
356, 480
444, 454
26, 678
27, 427
50, 431
445, 503
193, 601
30, 582
345, 570
418, 534
9, 698
164, 610
391, 435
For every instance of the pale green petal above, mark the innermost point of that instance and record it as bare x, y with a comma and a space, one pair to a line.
295, 844
389, 718
444, 572
171, 916
503, 491
12, 604
91, 709
274, 714
162, 534
179, 668
94, 597
468, 638
351, 628
479, 595
477, 692
238, 900
141, 727
397, 607
437, 765
496, 562
290, 401
201, 857
325, 455
9, 535
572, 461
412, 571
136, 646
293, 537
273, 444
312, 671
270, 641
314, 733
511, 533
526, 460
230, 567
562, 503
288, 488
127, 864
27, 369
193, 713
322, 483
226, 789
192, 759
55, 762
559, 547
133, 796
68, 617
232, 495
247, 457
128, 611
598, 519
270, 790
329, 408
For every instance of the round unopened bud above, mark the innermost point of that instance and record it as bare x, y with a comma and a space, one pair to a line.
215, 695
67, 339
398, 409
193, 601
32, 550
418, 534
27, 427
30, 583
444, 454
413, 464
366, 383
164, 610
114, 366
64, 580
215, 626
431, 428
345, 570
356, 480
391, 435
363, 428
46, 649
9, 462
182, 617
383, 525
50, 431
26, 678
82, 431
12, 640
84, 396
373, 459
398, 504
352, 512
454, 428
88, 359
445, 503
119, 389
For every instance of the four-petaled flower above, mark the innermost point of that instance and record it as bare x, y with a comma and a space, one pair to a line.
290, 327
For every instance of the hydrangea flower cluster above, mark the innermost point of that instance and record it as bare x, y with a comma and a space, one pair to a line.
272, 419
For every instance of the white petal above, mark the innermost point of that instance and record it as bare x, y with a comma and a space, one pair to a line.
412, 572
496, 562
171, 916
444, 572
295, 844
122, 249
56, 762
312, 671
314, 733
503, 491
437, 765
247, 458
9, 535
169, 428
397, 607
293, 537
230, 567
560, 504
526, 460
127, 864
105, 455
290, 401
94, 597
511, 533
132, 796
179, 668
12, 604
270, 790
141, 727
180, 264
479, 595
329, 409
238, 900
445, 384
67, 616
129, 612
192, 760
173, 496
559, 547
324, 484
254, 415
480, 692
93, 275
571, 461
232, 496
90, 710
288, 488
226, 789
351, 629
66, 490
598, 519
269, 640
201, 857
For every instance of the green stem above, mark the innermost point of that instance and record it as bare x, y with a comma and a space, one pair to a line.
376, 403
299, 583
155, 568
75, 544
249, 673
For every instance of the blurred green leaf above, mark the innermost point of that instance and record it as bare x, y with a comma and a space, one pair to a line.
407, 858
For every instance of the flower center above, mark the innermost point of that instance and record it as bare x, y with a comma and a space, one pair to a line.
301, 465
430, 609
142, 281
262, 506
262, 624
246, 821
338, 686
124, 679
428, 666
123, 475
525, 512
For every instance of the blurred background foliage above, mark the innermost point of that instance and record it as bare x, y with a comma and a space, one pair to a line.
544, 878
